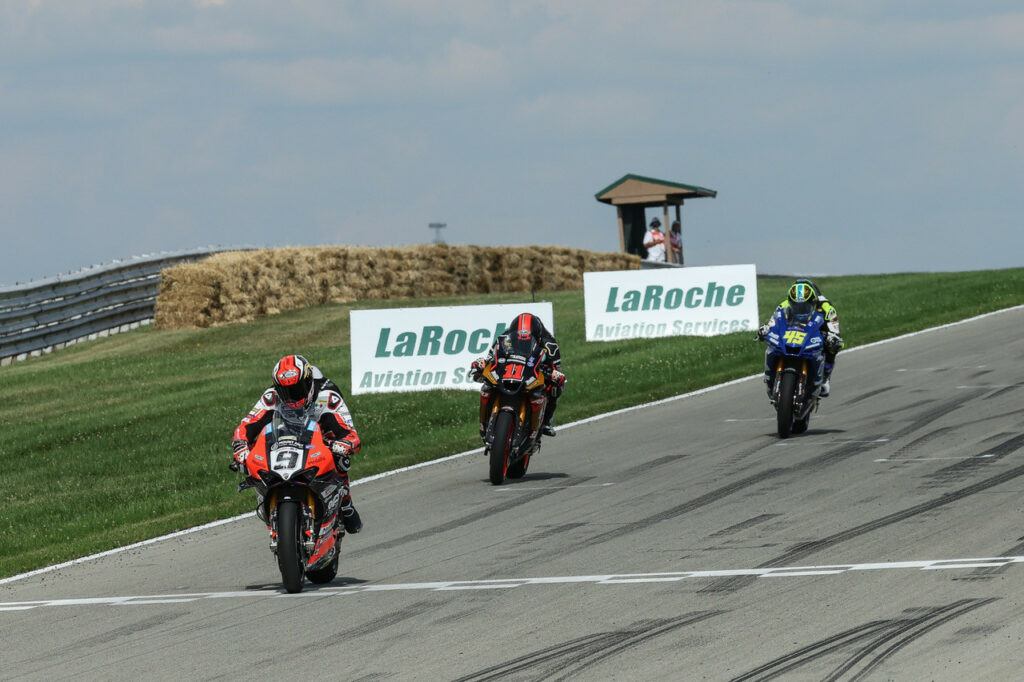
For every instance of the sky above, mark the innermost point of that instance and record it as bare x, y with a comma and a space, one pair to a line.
842, 138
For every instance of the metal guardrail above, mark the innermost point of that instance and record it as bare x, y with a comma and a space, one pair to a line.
60, 310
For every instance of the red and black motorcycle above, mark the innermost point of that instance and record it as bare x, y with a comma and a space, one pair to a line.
517, 405
299, 498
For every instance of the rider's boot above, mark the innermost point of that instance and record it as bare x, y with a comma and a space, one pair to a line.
826, 388
350, 519
549, 411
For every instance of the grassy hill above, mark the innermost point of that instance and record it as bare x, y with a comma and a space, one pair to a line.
124, 438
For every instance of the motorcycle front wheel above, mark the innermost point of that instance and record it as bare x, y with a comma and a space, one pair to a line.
289, 551
500, 447
784, 406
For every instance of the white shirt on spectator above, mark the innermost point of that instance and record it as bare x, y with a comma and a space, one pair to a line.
655, 252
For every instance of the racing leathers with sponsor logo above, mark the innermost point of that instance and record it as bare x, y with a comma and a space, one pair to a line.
803, 300
301, 392
526, 324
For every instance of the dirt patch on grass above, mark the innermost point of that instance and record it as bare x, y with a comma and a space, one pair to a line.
241, 285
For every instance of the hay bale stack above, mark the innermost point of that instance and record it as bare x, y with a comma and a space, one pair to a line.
238, 286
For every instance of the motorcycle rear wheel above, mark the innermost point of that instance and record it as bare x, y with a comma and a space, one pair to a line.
500, 447
322, 576
784, 406
289, 551
518, 470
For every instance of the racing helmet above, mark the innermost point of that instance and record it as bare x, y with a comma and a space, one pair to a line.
522, 325
814, 287
293, 381
802, 300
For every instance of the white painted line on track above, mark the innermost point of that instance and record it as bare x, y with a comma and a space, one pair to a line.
518, 488
940, 369
510, 583
931, 459
432, 462
847, 440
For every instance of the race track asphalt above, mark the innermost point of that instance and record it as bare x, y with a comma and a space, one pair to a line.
681, 541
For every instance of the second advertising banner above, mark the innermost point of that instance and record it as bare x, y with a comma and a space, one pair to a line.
648, 304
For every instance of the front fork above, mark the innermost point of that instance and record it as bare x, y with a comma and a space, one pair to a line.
801, 385
306, 531
537, 407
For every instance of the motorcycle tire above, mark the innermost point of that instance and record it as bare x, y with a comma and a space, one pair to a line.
518, 469
784, 407
800, 425
500, 447
322, 576
289, 551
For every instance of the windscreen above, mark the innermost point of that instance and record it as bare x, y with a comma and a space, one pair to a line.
800, 311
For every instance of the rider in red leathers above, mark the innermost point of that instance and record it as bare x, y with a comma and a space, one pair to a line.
525, 324
301, 392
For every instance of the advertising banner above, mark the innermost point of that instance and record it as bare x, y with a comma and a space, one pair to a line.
418, 349
647, 304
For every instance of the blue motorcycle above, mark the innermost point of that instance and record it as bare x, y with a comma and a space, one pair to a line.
795, 361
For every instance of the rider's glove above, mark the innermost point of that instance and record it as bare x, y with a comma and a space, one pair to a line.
834, 343
558, 378
341, 450
241, 449
477, 368
762, 331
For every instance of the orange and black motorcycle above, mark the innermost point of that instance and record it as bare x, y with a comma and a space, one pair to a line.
299, 498
517, 405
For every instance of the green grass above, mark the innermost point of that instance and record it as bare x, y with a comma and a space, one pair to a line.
124, 438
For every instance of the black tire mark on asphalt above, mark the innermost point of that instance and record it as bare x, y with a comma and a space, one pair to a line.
989, 572
115, 635
875, 642
865, 396
645, 467
678, 510
998, 436
936, 413
805, 549
567, 659
1001, 392
905, 634
743, 525
300, 653
909, 406
493, 510
970, 465
922, 440
846, 451
382, 623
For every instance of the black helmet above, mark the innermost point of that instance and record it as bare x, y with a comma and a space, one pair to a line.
293, 381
